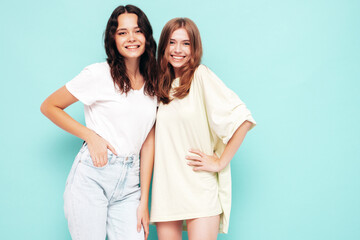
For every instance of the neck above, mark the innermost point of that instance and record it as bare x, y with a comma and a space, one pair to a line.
177, 72
132, 67
133, 72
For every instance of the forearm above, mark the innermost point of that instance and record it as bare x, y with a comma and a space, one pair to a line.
234, 144
145, 178
67, 123
53, 108
146, 166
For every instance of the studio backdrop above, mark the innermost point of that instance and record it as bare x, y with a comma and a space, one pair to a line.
296, 64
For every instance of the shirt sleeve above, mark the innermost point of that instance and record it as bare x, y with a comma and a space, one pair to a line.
225, 111
84, 86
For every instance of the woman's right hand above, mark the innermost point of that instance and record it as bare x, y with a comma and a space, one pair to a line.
98, 147
53, 108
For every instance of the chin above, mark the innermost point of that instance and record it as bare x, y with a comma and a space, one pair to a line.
177, 65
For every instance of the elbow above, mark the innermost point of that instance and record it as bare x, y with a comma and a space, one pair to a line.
44, 108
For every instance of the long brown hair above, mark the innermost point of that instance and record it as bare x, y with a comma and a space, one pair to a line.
147, 65
166, 71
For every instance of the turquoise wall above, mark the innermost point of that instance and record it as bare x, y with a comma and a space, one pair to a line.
295, 63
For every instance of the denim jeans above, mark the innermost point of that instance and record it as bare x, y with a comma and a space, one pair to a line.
102, 201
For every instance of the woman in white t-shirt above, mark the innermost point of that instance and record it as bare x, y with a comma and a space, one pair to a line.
102, 196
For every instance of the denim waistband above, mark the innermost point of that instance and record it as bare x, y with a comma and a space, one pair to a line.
130, 158
112, 158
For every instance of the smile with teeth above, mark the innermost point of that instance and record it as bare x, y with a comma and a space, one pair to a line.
132, 46
177, 57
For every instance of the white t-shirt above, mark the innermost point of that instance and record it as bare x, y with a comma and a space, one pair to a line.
123, 120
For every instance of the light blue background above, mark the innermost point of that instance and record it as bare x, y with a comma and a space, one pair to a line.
296, 64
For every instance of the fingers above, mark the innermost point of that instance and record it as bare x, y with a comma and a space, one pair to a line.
98, 150
197, 166
146, 228
196, 169
138, 225
103, 160
203, 162
111, 148
195, 163
193, 158
201, 154
99, 160
96, 161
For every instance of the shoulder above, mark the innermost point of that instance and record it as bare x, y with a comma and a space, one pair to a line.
97, 71
98, 67
200, 73
201, 70
204, 71
204, 74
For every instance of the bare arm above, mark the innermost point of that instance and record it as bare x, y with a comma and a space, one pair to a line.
53, 108
204, 162
146, 168
234, 144
147, 164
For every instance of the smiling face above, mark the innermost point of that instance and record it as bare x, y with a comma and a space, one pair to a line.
179, 49
130, 41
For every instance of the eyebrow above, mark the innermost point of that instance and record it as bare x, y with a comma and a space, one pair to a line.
123, 29
186, 40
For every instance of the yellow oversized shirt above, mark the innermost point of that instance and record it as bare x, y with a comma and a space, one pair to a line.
205, 120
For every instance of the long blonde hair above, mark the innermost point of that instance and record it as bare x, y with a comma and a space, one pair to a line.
166, 71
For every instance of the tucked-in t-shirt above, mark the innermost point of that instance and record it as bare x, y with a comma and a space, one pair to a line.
124, 120
205, 120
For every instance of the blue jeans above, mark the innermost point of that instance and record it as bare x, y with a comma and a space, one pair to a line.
102, 201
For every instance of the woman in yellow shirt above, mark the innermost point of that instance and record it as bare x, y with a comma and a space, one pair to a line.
200, 126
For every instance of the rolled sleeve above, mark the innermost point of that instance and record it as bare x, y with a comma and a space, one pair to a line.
225, 111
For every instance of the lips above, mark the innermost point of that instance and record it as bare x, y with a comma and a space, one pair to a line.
132, 46
177, 57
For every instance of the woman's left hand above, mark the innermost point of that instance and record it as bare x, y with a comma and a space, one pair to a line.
203, 162
142, 214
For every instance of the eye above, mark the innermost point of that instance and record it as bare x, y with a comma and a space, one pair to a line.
121, 33
171, 42
138, 31
187, 44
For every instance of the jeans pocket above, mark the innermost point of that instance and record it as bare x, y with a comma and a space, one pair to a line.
87, 160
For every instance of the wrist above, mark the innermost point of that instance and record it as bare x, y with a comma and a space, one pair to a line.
89, 135
143, 206
222, 164
144, 202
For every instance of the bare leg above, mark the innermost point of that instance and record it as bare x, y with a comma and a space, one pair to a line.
169, 230
205, 228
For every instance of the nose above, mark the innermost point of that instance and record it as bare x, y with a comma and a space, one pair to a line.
177, 48
131, 37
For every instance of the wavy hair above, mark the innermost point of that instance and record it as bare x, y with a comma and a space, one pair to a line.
147, 65
166, 70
